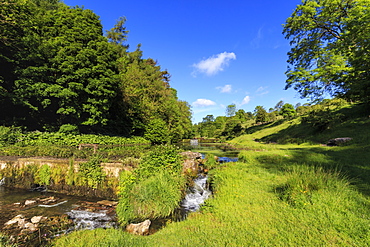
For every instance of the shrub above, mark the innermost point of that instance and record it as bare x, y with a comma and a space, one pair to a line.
157, 132
91, 172
10, 135
69, 129
43, 175
162, 157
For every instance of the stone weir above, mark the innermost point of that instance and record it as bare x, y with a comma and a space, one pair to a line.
111, 168
64, 175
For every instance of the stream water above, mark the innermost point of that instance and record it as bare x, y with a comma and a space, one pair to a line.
86, 213
196, 195
12, 203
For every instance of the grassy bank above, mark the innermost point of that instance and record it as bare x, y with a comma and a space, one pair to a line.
274, 199
298, 194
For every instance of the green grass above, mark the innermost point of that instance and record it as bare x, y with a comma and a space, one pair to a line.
261, 204
300, 194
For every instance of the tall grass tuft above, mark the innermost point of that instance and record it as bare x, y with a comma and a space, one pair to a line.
153, 197
304, 184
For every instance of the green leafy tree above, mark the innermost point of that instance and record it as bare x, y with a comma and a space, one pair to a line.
157, 132
288, 111
279, 105
261, 115
231, 110
147, 94
241, 115
329, 53
66, 73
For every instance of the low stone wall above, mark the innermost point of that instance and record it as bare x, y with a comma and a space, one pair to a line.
111, 169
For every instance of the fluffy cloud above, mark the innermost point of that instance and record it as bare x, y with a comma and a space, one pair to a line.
246, 100
203, 102
225, 89
214, 64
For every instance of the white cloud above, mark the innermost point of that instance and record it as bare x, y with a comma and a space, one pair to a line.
246, 100
203, 102
214, 64
257, 39
262, 91
225, 89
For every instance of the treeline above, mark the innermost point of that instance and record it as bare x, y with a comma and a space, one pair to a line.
59, 72
320, 116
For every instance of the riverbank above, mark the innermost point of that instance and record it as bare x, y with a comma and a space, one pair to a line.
274, 199
302, 194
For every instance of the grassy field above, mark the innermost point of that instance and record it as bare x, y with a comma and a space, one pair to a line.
305, 194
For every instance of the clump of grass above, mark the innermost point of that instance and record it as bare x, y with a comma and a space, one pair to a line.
154, 189
153, 197
305, 182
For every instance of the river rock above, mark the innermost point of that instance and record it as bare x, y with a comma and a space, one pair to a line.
338, 141
190, 166
32, 227
29, 202
191, 155
107, 203
140, 228
37, 219
16, 219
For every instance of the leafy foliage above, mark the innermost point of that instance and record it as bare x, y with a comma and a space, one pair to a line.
92, 172
165, 157
329, 49
43, 176
58, 71
156, 132
288, 111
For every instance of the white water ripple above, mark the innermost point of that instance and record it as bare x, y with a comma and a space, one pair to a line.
197, 195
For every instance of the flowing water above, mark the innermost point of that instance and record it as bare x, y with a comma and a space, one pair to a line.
11, 198
84, 217
196, 195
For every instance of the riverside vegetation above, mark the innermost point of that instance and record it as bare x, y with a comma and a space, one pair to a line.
287, 190
61, 76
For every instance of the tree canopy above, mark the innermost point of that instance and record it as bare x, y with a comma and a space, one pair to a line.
330, 44
57, 68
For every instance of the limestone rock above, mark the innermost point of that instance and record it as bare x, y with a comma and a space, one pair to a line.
140, 228
190, 166
191, 155
338, 141
29, 202
108, 203
32, 227
16, 219
37, 219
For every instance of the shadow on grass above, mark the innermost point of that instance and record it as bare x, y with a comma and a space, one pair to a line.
351, 161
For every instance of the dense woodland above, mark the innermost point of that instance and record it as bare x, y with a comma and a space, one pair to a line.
58, 72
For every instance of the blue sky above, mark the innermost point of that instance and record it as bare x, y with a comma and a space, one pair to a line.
218, 52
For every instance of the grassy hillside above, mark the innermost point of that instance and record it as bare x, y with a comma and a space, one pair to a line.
292, 194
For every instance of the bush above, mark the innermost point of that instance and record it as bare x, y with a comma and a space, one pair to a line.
157, 132
10, 135
69, 129
43, 175
91, 172
162, 157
